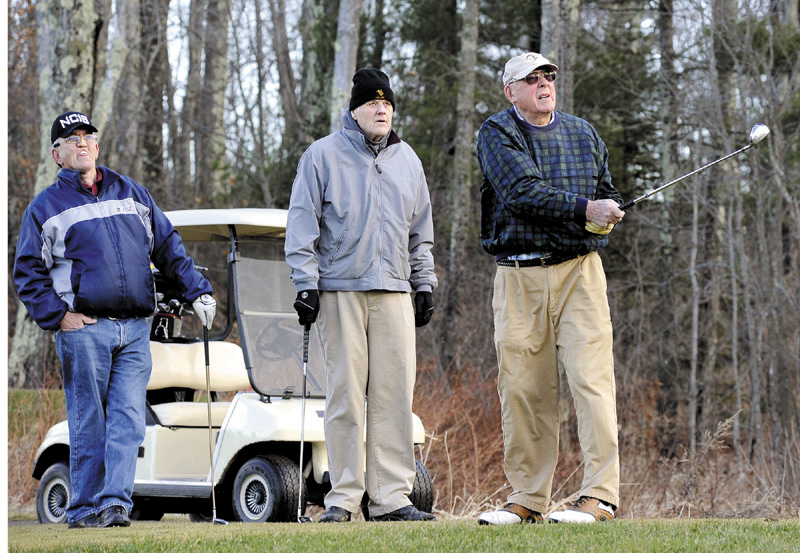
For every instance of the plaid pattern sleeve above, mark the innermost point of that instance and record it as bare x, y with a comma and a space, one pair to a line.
532, 182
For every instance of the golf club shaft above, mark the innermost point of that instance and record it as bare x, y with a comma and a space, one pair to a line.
632, 203
210, 430
306, 331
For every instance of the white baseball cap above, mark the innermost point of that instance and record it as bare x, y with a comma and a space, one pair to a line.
521, 66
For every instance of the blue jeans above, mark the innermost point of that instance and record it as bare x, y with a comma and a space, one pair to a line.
106, 369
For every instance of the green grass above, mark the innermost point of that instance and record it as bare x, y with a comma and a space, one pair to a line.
622, 536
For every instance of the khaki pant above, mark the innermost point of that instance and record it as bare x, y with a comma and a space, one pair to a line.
545, 317
368, 343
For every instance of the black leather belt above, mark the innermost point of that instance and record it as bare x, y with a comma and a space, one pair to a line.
539, 261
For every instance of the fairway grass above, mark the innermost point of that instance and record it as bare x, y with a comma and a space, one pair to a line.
621, 536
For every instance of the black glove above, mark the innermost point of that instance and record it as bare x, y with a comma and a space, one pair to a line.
307, 306
423, 308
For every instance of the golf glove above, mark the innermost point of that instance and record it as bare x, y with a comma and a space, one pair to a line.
307, 306
423, 308
597, 229
205, 307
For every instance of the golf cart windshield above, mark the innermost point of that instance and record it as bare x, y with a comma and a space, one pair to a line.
259, 291
270, 332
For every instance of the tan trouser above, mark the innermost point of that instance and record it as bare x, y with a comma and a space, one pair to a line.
543, 317
368, 341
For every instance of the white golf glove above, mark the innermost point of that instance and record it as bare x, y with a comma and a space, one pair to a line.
205, 307
597, 229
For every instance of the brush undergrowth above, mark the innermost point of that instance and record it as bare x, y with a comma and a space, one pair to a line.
464, 454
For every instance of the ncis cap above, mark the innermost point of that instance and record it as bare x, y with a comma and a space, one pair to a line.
68, 122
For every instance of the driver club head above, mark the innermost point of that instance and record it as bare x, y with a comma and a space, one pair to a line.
758, 133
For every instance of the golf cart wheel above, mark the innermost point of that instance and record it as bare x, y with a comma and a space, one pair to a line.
146, 510
53, 495
265, 490
422, 492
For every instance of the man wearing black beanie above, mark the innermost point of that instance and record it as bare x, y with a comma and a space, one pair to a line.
358, 240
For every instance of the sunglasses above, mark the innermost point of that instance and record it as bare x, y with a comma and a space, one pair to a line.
533, 78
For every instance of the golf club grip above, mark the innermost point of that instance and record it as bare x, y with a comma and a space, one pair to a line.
626, 205
306, 330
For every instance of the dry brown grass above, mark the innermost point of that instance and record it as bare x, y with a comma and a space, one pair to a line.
31, 414
464, 454
465, 457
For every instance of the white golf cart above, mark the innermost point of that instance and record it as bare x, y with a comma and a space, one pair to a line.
255, 366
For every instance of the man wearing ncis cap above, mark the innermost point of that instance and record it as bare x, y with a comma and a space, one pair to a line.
82, 269
547, 206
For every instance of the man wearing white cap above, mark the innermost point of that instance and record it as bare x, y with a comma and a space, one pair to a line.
547, 206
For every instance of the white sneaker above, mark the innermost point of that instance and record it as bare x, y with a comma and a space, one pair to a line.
584, 510
511, 513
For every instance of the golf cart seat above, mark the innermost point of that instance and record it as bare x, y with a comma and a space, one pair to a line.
182, 365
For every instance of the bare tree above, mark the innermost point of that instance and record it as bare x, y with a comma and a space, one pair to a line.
460, 188
211, 164
68, 57
156, 76
344, 65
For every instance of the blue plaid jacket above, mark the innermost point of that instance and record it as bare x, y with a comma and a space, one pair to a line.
537, 182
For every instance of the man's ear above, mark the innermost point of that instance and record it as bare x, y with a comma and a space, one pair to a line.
509, 93
56, 156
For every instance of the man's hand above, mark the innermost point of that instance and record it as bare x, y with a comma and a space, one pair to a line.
205, 307
74, 321
423, 308
307, 306
602, 215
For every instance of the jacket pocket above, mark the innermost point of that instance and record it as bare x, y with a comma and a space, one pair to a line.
338, 246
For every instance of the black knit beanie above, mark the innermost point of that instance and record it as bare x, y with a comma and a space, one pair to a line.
370, 84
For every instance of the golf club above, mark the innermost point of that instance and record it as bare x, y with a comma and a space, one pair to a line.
210, 432
300, 517
757, 134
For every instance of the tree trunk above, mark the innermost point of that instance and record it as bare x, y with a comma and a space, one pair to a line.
460, 189
380, 29
211, 166
71, 38
344, 65
156, 78
319, 37
280, 43
551, 40
188, 187
121, 150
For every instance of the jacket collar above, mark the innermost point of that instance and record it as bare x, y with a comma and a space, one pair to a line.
72, 177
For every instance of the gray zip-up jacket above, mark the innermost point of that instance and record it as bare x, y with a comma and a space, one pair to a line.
358, 221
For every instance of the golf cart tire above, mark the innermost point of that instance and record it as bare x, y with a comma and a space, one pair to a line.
144, 510
265, 490
422, 493
53, 495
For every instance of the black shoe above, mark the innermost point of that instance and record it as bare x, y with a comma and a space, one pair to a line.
405, 514
113, 516
335, 514
89, 521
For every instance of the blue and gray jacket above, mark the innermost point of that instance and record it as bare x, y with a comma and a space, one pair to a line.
91, 255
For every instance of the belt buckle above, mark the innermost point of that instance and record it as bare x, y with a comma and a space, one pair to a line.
545, 261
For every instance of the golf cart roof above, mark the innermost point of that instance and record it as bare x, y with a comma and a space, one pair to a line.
205, 225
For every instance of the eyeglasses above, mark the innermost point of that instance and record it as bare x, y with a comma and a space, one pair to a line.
533, 78
76, 140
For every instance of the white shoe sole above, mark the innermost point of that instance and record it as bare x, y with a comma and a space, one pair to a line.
499, 518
